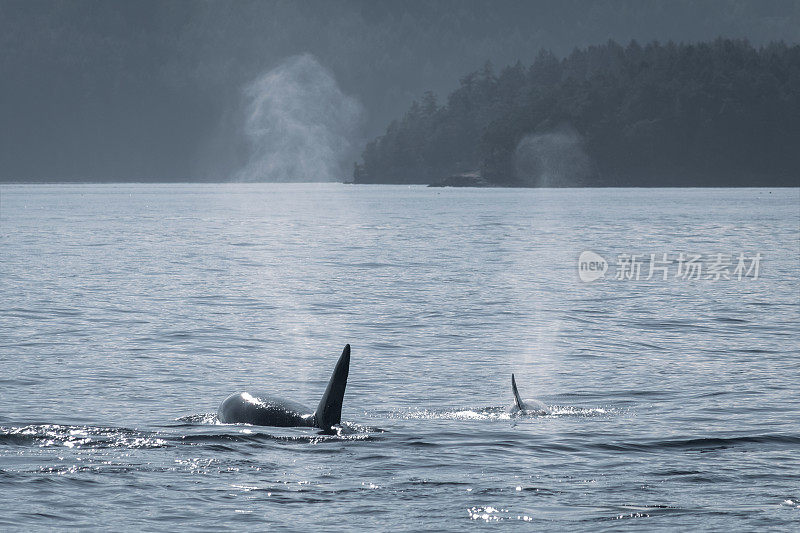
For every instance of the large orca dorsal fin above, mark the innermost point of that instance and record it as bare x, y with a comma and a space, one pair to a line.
329, 410
517, 399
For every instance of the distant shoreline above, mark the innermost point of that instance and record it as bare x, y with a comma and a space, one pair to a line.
422, 185
718, 113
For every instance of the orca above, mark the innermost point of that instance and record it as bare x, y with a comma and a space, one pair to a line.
267, 410
527, 406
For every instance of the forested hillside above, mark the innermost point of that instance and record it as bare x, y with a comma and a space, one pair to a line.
719, 113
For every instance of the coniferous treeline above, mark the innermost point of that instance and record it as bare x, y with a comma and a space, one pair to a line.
720, 113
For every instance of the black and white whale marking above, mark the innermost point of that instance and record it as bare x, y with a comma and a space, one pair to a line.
527, 406
266, 410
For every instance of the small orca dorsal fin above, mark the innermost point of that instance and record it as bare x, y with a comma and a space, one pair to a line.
517, 399
329, 410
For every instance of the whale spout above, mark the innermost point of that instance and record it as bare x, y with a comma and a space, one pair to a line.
329, 410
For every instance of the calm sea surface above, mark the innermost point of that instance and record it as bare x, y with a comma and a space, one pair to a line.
128, 312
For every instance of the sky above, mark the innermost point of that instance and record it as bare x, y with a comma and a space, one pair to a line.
199, 90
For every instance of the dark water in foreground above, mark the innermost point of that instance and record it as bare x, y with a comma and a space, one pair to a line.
130, 311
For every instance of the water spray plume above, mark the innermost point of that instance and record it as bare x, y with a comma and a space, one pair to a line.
299, 124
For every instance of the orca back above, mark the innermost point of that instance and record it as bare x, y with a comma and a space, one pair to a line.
263, 410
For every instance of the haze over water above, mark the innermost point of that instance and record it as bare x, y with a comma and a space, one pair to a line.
130, 311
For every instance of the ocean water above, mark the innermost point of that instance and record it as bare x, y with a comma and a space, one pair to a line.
130, 311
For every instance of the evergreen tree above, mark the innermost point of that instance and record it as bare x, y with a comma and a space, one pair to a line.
713, 113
